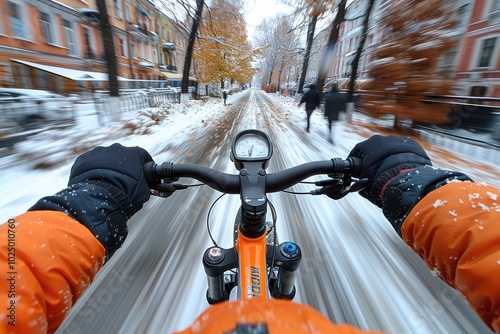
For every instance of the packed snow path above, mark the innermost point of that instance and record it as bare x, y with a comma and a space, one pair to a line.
355, 268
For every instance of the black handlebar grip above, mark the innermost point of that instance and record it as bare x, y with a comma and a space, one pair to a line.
356, 164
149, 173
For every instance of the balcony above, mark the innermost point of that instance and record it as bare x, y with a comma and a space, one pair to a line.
145, 64
140, 32
90, 15
168, 68
168, 46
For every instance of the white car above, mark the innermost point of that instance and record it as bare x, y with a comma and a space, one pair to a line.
31, 108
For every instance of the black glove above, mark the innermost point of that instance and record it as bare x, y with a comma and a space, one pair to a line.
383, 158
119, 166
397, 192
106, 187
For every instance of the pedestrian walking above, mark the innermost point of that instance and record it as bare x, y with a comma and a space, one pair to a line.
224, 96
335, 102
312, 100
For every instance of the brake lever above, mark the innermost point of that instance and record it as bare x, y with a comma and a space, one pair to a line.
166, 189
327, 182
337, 189
358, 185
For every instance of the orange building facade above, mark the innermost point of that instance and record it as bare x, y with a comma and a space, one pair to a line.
57, 45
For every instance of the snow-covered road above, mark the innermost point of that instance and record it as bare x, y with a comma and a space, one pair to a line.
355, 268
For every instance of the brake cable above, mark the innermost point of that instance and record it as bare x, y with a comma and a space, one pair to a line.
208, 219
330, 184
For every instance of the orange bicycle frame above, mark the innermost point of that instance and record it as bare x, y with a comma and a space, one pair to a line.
252, 266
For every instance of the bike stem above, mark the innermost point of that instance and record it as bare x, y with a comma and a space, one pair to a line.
253, 200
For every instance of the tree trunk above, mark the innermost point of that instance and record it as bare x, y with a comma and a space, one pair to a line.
332, 40
355, 62
190, 47
271, 72
310, 37
109, 48
280, 74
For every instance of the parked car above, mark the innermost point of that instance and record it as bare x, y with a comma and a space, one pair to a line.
31, 108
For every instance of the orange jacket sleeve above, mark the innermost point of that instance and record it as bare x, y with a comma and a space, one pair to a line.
48, 259
456, 230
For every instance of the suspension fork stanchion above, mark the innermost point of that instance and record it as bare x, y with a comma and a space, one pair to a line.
216, 262
252, 266
287, 257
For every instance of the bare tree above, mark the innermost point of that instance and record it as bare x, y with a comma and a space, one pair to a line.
332, 40
109, 48
312, 10
189, 51
357, 57
280, 43
310, 37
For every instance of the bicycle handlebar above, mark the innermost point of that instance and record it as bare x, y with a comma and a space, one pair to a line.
230, 183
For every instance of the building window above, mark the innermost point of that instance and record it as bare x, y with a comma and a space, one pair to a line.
479, 91
46, 28
6, 77
22, 76
128, 14
141, 50
148, 51
90, 52
16, 21
70, 38
370, 39
123, 48
487, 51
132, 50
463, 15
495, 7
137, 16
2, 30
118, 8
142, 18
43, 81
448, 59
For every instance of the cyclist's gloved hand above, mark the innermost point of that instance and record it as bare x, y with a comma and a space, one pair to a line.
400, 174
119, 166
383, 158
106, 187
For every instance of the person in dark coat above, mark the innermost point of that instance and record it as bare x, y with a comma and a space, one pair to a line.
335, 102
312, 99
224, 96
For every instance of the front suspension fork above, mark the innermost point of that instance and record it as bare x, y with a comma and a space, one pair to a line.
286, 256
